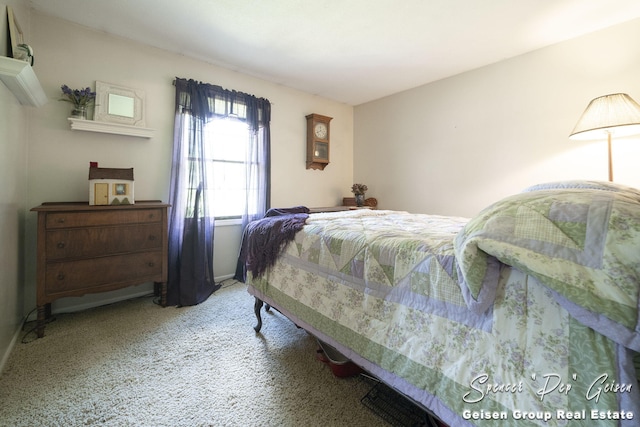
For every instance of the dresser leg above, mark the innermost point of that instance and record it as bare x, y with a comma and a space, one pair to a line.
160, 289
42, 320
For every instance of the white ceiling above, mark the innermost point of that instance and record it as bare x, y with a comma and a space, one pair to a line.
352, 51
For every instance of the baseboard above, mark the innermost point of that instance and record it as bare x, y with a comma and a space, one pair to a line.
9, 349
82, 305
92, 304
222, 278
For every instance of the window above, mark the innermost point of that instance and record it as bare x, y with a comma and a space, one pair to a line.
213, 129
227, 141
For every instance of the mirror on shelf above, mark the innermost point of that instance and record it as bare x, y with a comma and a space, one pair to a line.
119, 104
123, 106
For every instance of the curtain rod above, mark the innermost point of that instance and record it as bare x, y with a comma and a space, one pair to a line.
174, 83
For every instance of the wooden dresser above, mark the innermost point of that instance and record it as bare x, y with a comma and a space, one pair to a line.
85, 249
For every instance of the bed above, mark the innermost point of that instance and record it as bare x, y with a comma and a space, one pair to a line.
525, 315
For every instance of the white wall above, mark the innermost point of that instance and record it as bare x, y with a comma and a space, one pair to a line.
454, 146
13, 175
59, 158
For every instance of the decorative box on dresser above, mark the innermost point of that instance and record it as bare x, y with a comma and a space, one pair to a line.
86, 249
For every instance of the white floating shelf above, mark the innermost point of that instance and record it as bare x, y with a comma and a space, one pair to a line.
19, 77
114, 128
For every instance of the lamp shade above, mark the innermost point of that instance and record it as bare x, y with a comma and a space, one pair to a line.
616, 114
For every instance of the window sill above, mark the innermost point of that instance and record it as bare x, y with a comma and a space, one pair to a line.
228, 222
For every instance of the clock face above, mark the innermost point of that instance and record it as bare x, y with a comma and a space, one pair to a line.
320, 130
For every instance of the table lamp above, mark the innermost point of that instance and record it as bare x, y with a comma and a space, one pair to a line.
616, 114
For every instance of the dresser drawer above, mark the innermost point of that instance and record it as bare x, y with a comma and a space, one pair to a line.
90, 274
98, 241
106, 217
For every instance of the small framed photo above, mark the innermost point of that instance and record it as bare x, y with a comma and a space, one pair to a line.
15, 33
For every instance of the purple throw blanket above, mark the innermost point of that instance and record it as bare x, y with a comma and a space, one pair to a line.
265, 239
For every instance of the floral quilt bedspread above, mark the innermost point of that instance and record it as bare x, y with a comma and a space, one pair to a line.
581, 240
386, 288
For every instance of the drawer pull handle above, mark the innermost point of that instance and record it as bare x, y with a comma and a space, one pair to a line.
151, 216
60, 276
152, 238
60, 245
151, 264
60, 220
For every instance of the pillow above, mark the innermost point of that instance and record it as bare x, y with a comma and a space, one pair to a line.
586, 185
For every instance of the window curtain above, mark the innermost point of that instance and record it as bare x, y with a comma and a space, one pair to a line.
191, 225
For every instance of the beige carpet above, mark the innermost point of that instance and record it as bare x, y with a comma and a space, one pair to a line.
137, 364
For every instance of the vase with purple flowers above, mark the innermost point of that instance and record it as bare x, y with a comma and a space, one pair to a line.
81, 99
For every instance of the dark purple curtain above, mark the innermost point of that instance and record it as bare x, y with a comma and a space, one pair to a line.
191, 225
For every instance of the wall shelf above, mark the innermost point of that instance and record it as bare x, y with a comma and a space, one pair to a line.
19, 77
113, 128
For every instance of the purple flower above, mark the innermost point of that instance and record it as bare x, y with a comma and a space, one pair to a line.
78, 97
